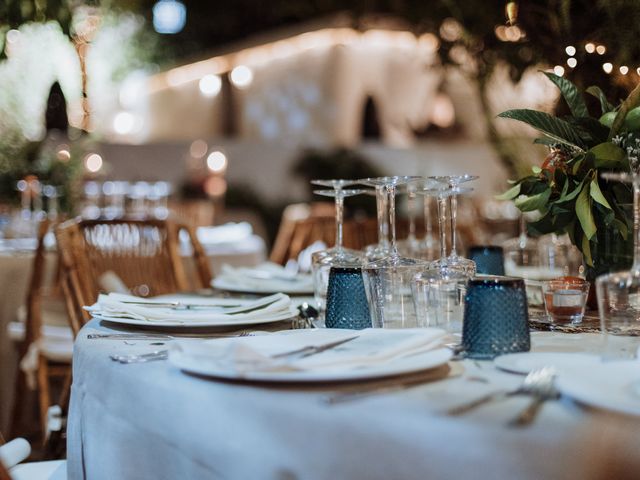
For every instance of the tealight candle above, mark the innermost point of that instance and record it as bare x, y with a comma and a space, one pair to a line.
565, 299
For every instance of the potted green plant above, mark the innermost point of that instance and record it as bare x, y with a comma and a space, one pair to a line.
568, 190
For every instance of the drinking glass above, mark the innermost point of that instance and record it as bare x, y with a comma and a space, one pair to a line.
565, 299
489, 259
337, 256
381, 249
521, 255
495, 317
388, 280
439, 299
347, 305
619, 293
428, 246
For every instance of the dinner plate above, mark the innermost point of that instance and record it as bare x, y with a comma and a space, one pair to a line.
414, 363
263, 287
527, 361
611, 386
184, 323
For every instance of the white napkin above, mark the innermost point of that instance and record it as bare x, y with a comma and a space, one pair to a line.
370, 347
114, 305
267, 274
227, 233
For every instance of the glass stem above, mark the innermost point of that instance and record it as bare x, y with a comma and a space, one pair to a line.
428, 226
412, 216
522, 238
453, 209
442, 222
391, 199
339, 217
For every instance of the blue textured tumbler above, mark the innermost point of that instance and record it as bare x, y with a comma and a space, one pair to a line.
496, 318
347, 305
489, 259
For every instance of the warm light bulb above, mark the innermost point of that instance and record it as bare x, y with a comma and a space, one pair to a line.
601, 49
93, 162
241, 76
590, 47
571, 50
558, 70
572, 62
624, 69
217, 161
210, 85
607, 67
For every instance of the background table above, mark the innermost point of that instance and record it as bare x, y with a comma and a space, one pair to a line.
152, 420
15, 271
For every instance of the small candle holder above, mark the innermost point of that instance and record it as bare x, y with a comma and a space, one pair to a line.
565, 299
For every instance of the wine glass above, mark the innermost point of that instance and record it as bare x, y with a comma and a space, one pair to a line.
454, 182
410, 246
521, 254
338, 255
388, 280
428, 246
381, 249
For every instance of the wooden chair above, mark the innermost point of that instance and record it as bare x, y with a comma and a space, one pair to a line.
303, 225
144, 254
51, 355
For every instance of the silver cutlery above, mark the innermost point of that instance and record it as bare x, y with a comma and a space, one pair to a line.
534, 383
155, 337
309, 350
543, 389
228, 309
141, 358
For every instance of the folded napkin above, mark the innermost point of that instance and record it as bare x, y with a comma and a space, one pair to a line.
364, 348
227, 233
116, 305
266, 275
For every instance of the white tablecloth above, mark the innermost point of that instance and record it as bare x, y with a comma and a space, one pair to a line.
154, 421
15, 271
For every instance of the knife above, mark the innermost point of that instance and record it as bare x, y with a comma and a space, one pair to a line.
309, 350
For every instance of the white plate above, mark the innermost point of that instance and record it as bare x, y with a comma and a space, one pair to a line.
265, 286
610, 385
528, 361
214, 323
399, 366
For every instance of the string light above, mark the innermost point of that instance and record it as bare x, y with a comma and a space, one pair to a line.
571, 50
558, 70
624, 69
572, 62
601, 49
590, 47
607, 67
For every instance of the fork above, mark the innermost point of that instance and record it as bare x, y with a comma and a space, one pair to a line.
535, 383
544, 390
142, 358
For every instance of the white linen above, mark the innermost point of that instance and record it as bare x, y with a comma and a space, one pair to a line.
265, 277
114, 305
224, 234
362, 349
153, 421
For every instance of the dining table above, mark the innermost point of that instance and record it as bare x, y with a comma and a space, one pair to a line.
16, 261
154, 420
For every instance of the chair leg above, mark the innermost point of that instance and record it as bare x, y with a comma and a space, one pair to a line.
19, 400
44, 395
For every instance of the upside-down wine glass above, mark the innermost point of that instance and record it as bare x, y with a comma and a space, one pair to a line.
388, 280
428, 246
337, 256
381, 249
410, 246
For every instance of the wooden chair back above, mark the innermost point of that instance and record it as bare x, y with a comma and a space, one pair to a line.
144, 254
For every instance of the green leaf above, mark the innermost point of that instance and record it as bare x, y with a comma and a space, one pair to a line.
622, 227
597, 195
584, 214
535, 169
553, 127
605, 106
534, 202
573, 194
571, 95
632, 101
513, 192
549, 142
586, 251
608, 155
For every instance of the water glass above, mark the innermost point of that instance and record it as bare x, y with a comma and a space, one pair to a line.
489, 259
439, 301
619, 308
495, 317
565, 299
347, 305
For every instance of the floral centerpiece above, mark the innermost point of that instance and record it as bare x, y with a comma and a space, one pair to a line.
568, 190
